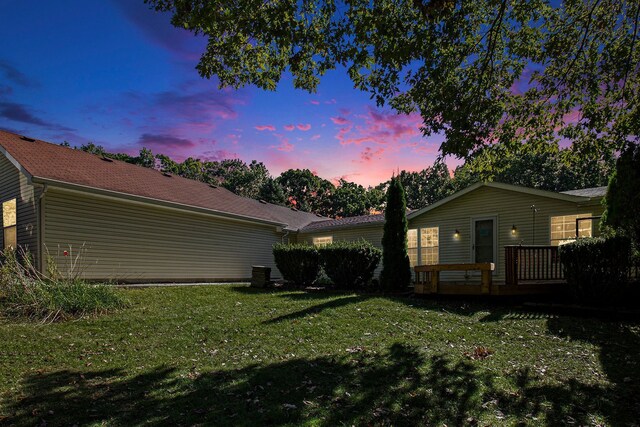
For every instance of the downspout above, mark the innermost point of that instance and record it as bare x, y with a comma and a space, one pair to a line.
286, 234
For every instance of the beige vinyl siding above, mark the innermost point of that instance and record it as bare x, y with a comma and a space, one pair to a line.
372, 234
14, 184
509, 208
131, 242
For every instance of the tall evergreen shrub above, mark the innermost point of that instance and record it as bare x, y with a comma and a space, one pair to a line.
396, 270
623, 195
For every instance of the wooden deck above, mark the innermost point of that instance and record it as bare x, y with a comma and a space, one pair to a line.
530, 270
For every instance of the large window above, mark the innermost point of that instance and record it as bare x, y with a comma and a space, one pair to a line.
9, 222
322, 241
563, 228
429, 246
427, 251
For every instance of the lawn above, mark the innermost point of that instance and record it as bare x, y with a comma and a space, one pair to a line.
239, 356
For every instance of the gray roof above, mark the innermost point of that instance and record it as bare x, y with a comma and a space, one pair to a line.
343, 222
588, 192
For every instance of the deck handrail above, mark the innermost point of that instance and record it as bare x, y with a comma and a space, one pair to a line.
532, 263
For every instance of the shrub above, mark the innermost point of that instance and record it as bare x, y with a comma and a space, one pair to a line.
26, 293
350, 264
298, 263
623, 195
597, 269
396, 270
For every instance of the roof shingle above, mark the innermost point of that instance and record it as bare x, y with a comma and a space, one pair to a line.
53, 162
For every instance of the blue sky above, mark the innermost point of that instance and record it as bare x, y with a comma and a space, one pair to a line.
118, 74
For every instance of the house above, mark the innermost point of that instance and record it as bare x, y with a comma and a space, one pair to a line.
130, 223
134, 224
476, 224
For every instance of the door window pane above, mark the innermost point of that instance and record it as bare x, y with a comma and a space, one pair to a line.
484, 241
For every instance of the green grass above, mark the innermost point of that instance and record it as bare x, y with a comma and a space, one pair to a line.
234, 355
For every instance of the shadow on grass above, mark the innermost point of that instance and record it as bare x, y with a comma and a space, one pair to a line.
619, 354
400, 387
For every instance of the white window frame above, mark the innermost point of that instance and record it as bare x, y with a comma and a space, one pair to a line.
569, 219
419, 248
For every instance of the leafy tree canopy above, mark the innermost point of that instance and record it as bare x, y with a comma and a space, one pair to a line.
480, 71
551, 169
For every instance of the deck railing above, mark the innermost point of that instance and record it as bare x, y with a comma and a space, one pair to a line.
532, 263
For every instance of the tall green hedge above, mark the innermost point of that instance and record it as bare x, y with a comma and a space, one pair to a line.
298, 263
396, 269
597, 269
350, 264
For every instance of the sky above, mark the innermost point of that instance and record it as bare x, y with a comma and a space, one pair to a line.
118, 74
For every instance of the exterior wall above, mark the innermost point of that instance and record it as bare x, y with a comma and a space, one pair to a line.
135, 242
13, 184
372, 234
509, 208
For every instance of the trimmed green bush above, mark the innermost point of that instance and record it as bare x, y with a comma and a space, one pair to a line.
26, 293
350, 265
298, 263
597, 269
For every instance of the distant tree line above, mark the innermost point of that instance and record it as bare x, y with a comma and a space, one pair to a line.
554, 169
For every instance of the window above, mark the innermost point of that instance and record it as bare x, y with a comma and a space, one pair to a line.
322, 241
429, 239
563, 228
9, 222
427, 251
412, 246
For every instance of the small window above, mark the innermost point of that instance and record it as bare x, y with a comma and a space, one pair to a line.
412, 246
322, 241
563, 228
9, 222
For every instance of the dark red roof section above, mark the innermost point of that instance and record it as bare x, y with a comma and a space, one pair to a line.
54, 162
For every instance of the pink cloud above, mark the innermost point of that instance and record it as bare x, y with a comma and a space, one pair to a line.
381, 127
315, 137
285, 146
368, 154
314, 102
331, 101
304, 127
289, 128
339, 120
271, 128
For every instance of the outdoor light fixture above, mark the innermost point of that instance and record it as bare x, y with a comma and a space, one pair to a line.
456, 234
514, 230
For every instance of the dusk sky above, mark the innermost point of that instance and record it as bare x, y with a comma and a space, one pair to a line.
118, 74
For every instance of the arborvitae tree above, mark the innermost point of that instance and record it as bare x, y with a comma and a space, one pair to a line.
623, 195
396, 270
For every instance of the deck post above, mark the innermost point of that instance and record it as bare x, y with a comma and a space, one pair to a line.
435, 279
486, 282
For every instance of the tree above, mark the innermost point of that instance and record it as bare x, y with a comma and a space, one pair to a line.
272, 192
396, 269
480, 71
306, 191
349, 199
426, 186
551, 169
623, 195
